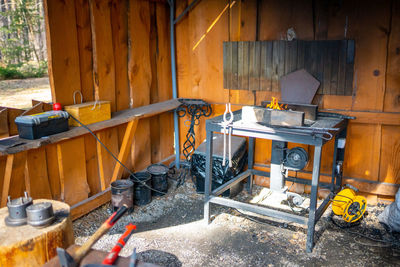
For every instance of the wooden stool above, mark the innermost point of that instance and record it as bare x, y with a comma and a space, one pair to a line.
29, 246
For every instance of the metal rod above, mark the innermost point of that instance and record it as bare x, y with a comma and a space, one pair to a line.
231, 183
208, 180
259, 210
250, 164
313, 198
334, 162
324, 205
190, 6
173, 74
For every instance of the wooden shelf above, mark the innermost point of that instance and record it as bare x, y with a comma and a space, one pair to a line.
15, 144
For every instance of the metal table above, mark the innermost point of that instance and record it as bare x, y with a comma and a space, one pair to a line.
310, 136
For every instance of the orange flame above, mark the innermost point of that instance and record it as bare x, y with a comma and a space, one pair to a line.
275, 105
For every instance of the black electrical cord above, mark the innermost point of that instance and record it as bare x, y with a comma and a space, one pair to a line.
348, 226
252, 219
130, 172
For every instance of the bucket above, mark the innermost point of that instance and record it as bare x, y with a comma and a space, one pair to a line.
122, 193
159, 178
142, 193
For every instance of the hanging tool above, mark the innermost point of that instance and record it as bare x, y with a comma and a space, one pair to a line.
225, 125
349, 205
73, 259
113, 255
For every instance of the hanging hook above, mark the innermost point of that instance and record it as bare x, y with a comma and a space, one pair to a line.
225, 125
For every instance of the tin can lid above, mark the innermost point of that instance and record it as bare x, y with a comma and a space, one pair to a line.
157, 169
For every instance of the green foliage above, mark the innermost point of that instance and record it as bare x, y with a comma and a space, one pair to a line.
21, 23
7, 73
23, 71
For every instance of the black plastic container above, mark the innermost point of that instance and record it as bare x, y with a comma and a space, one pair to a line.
159, 181
142, 192
122, 193
42, 124
220, 174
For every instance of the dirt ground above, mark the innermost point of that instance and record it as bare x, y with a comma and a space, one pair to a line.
171, 232
19, 93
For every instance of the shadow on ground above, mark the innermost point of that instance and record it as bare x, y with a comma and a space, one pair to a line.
173, 224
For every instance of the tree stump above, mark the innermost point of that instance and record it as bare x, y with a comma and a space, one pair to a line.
29, 246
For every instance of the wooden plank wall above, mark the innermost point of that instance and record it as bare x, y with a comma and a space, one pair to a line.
373, 143
116, 50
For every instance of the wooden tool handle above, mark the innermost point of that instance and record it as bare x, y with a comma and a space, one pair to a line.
81, 252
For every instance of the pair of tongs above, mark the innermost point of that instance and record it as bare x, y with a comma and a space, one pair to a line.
225, 125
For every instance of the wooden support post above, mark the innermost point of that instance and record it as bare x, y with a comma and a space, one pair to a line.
100, 160
13, 183
27, 180
7, 179
125, 148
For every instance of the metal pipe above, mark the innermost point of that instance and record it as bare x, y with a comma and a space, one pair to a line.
173, 74
190, 6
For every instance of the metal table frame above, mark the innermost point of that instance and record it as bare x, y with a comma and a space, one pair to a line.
212, 196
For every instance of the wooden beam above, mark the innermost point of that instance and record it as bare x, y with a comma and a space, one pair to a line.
125, 148
105, 161
89, 204
14, 179
100, 160
386, 118
7, 180
3, 123
117, 118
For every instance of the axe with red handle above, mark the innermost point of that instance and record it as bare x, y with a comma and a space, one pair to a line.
113, 255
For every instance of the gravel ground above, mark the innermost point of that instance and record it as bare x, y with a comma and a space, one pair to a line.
171, 233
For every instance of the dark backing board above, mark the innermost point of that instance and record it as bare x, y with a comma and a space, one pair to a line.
260, 65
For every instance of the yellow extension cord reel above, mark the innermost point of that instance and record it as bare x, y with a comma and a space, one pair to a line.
349, 205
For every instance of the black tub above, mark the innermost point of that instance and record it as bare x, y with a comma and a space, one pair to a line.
142, 192
159, 181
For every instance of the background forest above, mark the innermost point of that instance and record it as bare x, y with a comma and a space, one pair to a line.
22, 39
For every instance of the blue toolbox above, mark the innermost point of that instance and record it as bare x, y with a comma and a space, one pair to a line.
42, 124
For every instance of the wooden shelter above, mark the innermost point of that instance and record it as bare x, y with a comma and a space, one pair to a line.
119, 50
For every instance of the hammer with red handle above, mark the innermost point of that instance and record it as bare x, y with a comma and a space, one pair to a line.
73, 259
113, 255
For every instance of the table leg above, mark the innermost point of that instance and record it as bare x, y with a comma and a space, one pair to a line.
313, 200
208, 178
340, 156
334, 166
250, 163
